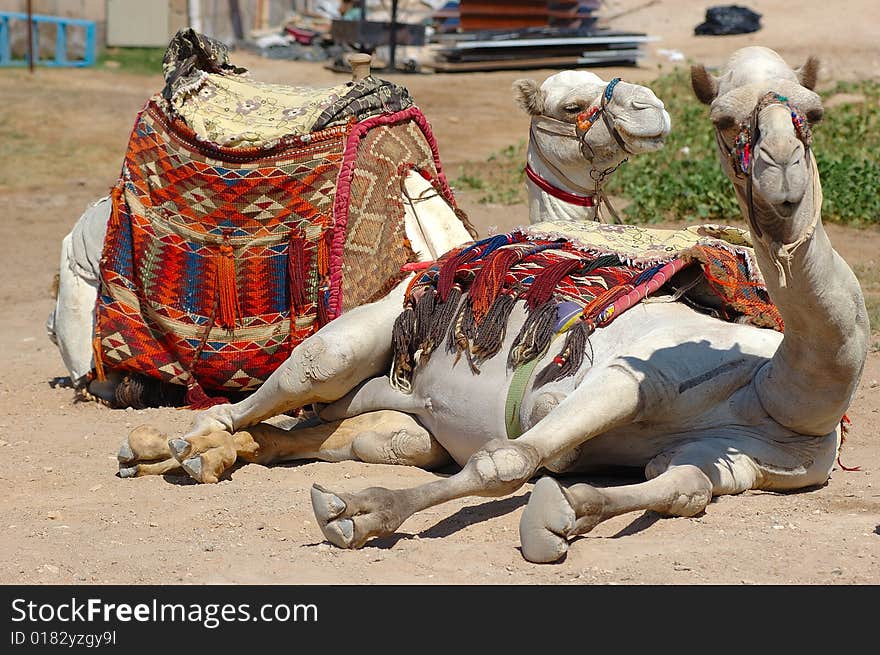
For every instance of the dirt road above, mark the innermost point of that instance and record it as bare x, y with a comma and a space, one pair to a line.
66, 518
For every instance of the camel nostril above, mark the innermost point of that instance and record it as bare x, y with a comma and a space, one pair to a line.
643, 103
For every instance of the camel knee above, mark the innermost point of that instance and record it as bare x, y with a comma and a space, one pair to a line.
327, 362
688, 488
503, 466
408, 446
692, 491
544, 403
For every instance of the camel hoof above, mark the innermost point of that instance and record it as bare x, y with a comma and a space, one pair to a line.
326, 505
180, 448
125, 454
193, 467
545, 523
339, 533
128, 471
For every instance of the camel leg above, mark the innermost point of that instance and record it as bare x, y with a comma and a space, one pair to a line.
323, 368
501, 467
681, 484
383, 437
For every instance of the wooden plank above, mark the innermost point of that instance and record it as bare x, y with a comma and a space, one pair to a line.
519, 43
538, 62
530, 53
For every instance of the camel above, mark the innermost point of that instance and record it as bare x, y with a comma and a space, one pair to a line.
706, 407
561, 155
565, 129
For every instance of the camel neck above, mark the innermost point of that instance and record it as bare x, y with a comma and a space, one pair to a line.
553, 195
809, 382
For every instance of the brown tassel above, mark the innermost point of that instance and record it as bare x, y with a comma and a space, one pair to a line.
444, 312
297, 268
534, 336
402, 348
230, 310
490, 280
490, 333
461, 335
569, 359
424, 312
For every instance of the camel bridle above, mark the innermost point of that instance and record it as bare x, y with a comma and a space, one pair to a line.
579, 131
741, 159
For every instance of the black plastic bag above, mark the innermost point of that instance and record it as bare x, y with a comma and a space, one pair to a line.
729, 19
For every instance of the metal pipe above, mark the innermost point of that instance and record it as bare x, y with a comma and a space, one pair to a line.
195, 15
30, 13
392, 38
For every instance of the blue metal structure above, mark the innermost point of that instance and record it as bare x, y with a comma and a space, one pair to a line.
62, 24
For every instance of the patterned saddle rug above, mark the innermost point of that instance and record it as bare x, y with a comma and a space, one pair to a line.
232, 240
573, 278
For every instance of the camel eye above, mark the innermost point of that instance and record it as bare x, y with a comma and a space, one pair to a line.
815, 115
571, 108
724, 122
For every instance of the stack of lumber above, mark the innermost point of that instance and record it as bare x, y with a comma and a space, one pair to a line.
536, 47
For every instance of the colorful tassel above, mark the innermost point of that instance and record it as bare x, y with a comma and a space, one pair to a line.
297, 266
229, 310
545, 283
196, 398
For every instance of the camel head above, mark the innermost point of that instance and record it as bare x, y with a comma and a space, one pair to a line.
610, 120
762, 110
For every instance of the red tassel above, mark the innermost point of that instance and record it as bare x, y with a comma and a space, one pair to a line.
324, 253
446, 276
546, 281
98, 354
323, 309
845, 424
490, 280
196, 398
297, 268
230, 311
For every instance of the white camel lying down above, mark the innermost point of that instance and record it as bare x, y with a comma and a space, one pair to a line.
571, 164
706, 407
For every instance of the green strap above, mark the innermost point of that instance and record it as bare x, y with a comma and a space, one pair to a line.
515, 396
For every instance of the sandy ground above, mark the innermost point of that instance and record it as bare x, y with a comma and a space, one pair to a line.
66, 517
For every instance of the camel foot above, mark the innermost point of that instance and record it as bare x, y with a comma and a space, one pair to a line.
125, 454
205, 458
546, 523
128, 471
180, 449
144, 444
145, 452
349, 520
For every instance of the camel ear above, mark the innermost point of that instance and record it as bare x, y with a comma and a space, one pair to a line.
808, 74
528, 95
704, 84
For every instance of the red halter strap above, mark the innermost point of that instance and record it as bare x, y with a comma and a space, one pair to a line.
556, 192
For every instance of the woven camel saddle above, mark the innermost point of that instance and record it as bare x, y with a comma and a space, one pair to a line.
247, 215
573, 278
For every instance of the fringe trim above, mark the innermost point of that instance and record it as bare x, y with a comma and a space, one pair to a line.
492, 329
569, 359
534, 336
